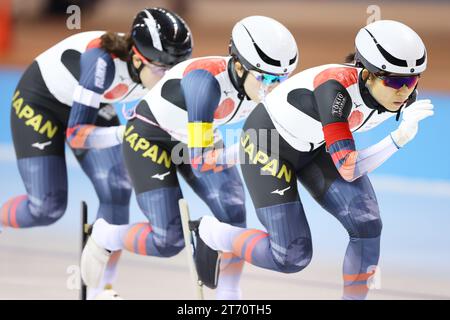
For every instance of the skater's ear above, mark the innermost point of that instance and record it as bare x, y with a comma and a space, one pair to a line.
239, 68
366, 74
136, 61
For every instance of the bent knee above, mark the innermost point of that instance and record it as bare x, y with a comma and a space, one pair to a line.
171, 249
50, 209
365, 218
232, 204
117, 193
368, 225
170, 241
368, 229
296, 257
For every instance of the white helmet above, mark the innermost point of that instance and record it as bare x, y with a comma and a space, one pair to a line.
263, 44
392, 47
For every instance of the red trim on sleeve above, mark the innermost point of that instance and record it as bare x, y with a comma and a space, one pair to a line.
336, 131
346, 76
213, 65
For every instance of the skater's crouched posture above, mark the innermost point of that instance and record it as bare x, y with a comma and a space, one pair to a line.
172, 130
66, 95
314, 115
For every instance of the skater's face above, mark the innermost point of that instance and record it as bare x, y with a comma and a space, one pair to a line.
151, 73
390, 92
257, 85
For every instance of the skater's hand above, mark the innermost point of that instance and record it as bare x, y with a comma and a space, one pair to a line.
409, 126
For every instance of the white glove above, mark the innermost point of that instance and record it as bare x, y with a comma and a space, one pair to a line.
120, 132
409, 126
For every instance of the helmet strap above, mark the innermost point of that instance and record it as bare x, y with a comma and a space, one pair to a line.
397, 117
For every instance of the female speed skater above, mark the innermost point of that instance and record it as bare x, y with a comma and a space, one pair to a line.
314, 114
66, 94
179, 116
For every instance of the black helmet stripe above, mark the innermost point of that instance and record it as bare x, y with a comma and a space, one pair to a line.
392, 60
293, 59
421, 60
262, 55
